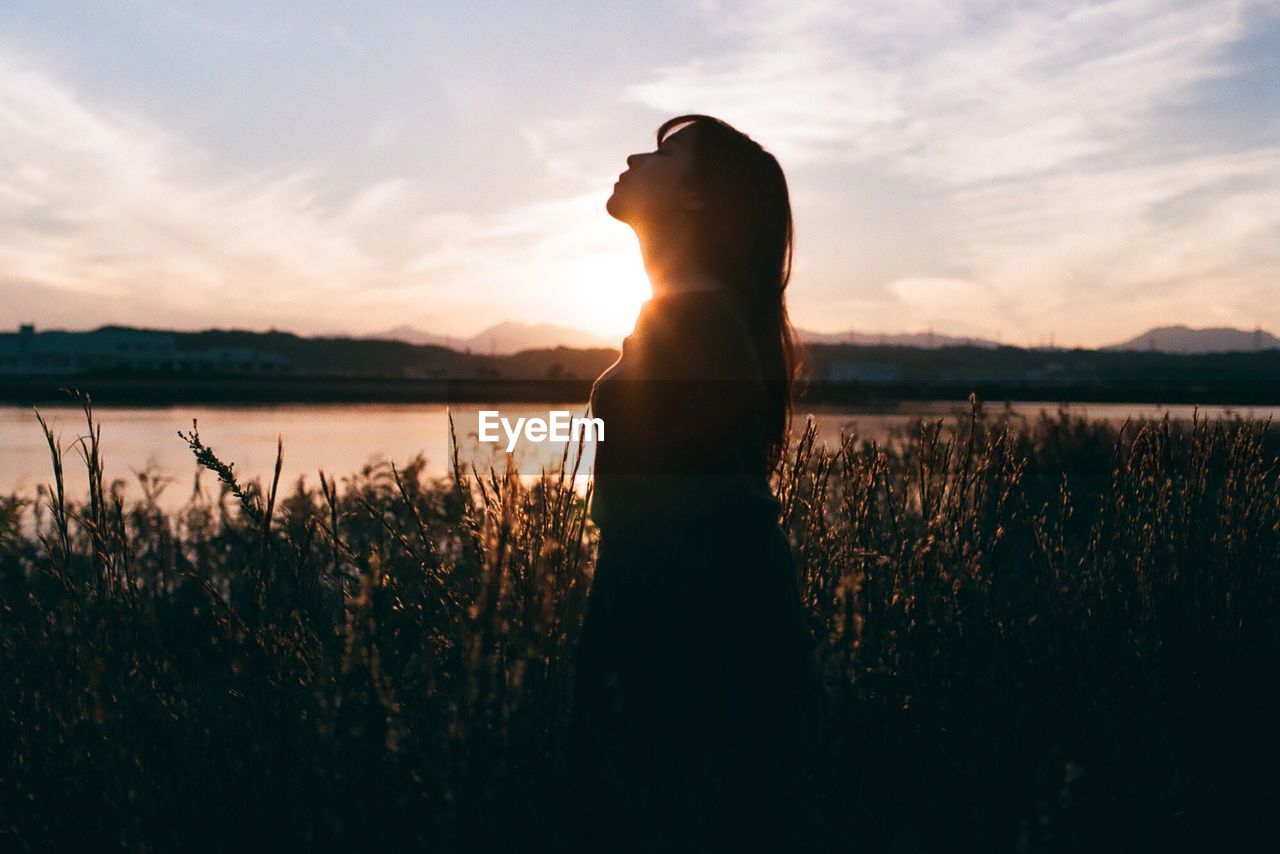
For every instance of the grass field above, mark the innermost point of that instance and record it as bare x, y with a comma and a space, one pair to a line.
1056, 636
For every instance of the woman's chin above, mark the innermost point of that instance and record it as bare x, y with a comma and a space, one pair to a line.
614, 207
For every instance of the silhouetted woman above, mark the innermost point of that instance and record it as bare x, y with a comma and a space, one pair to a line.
696, 652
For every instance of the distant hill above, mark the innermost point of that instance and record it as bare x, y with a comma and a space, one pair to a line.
1185, 339
925, 340
506, 338
153, 365
502, 339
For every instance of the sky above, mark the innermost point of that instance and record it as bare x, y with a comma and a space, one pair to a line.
1021, 171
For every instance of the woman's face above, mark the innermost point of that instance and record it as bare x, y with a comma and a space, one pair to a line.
655, 186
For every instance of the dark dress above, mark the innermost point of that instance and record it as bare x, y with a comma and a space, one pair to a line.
695, 654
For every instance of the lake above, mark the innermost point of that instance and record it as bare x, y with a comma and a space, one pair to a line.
341, 439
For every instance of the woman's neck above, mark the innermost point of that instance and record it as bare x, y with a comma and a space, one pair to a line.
671, 266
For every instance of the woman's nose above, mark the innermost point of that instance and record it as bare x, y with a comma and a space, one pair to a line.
631, 161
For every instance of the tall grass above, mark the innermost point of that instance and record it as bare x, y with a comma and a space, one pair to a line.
1038, 636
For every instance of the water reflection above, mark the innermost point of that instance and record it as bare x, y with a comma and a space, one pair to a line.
343, 439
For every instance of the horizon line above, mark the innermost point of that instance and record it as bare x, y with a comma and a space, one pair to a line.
801, 332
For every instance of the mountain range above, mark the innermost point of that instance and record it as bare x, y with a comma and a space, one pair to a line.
501, 339
1184, 339
511, 337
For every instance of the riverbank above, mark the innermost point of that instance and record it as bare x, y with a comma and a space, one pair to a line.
167, 389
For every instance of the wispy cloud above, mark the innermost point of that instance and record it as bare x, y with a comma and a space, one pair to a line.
959, 92
1037, 128
347, 42
100, 201
99, 205
1031, 167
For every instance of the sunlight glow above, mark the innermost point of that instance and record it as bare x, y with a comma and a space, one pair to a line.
607, 290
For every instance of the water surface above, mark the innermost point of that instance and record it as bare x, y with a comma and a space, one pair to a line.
342, 439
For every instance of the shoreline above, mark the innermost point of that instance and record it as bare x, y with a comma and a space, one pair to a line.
158, 390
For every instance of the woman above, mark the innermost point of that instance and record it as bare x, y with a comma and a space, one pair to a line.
695, 654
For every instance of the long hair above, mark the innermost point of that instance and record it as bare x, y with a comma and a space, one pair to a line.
745, 236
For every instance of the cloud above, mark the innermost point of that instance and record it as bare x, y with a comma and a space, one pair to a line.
102, 208
100, 201
348, 43
1119, 249
1040, 135
970, 166
957, 304
956, 92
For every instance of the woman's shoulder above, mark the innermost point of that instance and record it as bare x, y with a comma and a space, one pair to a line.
695, 335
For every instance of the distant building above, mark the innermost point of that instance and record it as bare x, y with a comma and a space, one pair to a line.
1055, 373
870, 373
971, 375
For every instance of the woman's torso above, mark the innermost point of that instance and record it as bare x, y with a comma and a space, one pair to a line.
695, 600
684, 409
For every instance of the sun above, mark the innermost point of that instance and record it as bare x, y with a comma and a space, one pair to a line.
607, 290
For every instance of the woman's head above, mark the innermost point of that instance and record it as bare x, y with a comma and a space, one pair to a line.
723, 189
730, 201
655, 190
